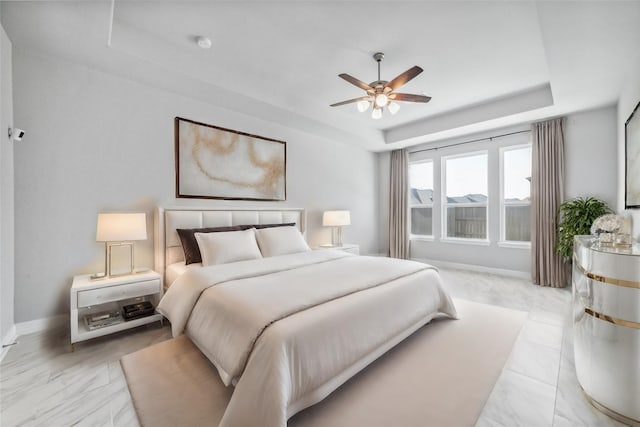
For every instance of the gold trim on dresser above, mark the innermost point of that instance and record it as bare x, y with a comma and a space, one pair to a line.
610, 412
611, 319
609, 280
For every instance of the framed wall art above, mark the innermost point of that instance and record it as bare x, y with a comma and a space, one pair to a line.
632, 160
217, 163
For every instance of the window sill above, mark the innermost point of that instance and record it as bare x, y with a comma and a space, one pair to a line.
477, 242
419, 238
515, 245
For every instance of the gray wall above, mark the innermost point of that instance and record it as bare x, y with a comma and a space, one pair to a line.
6, 191
591, 170
629, 98
99, 142
591, 167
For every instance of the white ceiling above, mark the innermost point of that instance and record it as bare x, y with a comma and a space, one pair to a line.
487, 64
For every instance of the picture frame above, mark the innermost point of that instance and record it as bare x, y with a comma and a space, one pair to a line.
632, 159
212, 162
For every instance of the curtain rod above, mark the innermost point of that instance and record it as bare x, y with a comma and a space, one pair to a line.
490, 138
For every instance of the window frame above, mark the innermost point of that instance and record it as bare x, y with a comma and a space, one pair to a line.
503, 242
444, 204
428, 237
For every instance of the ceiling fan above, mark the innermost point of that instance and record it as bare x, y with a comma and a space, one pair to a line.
382, 93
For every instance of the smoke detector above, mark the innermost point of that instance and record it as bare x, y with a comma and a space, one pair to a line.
203, 42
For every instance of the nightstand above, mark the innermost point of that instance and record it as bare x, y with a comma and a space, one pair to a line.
347, 247
89, 298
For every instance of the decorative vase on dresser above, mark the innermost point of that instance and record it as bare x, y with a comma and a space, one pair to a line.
606, 326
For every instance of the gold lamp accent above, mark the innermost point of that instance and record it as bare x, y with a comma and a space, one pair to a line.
119, 230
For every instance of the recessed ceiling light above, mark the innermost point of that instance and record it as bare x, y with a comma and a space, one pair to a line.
203, 42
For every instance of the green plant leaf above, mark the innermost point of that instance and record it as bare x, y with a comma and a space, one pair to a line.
575, 218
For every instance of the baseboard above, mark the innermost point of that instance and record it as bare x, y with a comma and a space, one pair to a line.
41, 325
478, 268
9, 337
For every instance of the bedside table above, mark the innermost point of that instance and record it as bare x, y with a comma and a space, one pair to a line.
90, 297
347, 247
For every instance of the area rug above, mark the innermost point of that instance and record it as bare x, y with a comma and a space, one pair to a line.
441, 375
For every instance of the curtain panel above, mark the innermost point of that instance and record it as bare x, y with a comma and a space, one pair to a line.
398, 205
547, 193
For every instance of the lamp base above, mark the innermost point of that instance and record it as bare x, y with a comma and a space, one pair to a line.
337, 241
121, 255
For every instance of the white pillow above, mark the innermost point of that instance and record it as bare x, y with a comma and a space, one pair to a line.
280, 241
227, 246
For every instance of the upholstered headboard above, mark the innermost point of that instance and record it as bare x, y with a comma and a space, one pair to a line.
167, 246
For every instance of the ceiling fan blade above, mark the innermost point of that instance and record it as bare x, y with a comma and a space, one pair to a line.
350, 101
404, 78
409, 97
356, 82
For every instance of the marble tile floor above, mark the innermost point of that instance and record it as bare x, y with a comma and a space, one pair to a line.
42, 383
538, 385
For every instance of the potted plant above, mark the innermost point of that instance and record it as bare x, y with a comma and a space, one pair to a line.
576, 217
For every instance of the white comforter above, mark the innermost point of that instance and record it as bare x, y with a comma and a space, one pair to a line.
289, 330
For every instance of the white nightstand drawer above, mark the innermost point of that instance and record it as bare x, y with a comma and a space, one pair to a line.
117, 292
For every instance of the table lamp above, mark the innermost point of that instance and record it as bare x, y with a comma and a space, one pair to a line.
336, 219
120, 230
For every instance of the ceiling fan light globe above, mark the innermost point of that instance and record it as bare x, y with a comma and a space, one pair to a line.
381, 100
362, 106
393, 107
376, 113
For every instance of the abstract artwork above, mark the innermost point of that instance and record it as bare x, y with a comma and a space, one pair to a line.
217, 163
632, 176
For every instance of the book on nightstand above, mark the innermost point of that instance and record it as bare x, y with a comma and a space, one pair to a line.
102, 319
137, 310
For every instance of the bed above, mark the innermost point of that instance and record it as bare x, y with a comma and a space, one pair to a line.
288, 325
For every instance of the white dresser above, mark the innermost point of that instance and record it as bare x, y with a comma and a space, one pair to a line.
606, 327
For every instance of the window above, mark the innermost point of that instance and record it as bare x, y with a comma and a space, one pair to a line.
464, 203
516, 193
421, 198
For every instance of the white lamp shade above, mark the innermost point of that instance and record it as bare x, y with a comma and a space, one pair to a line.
336, 218
121, 227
